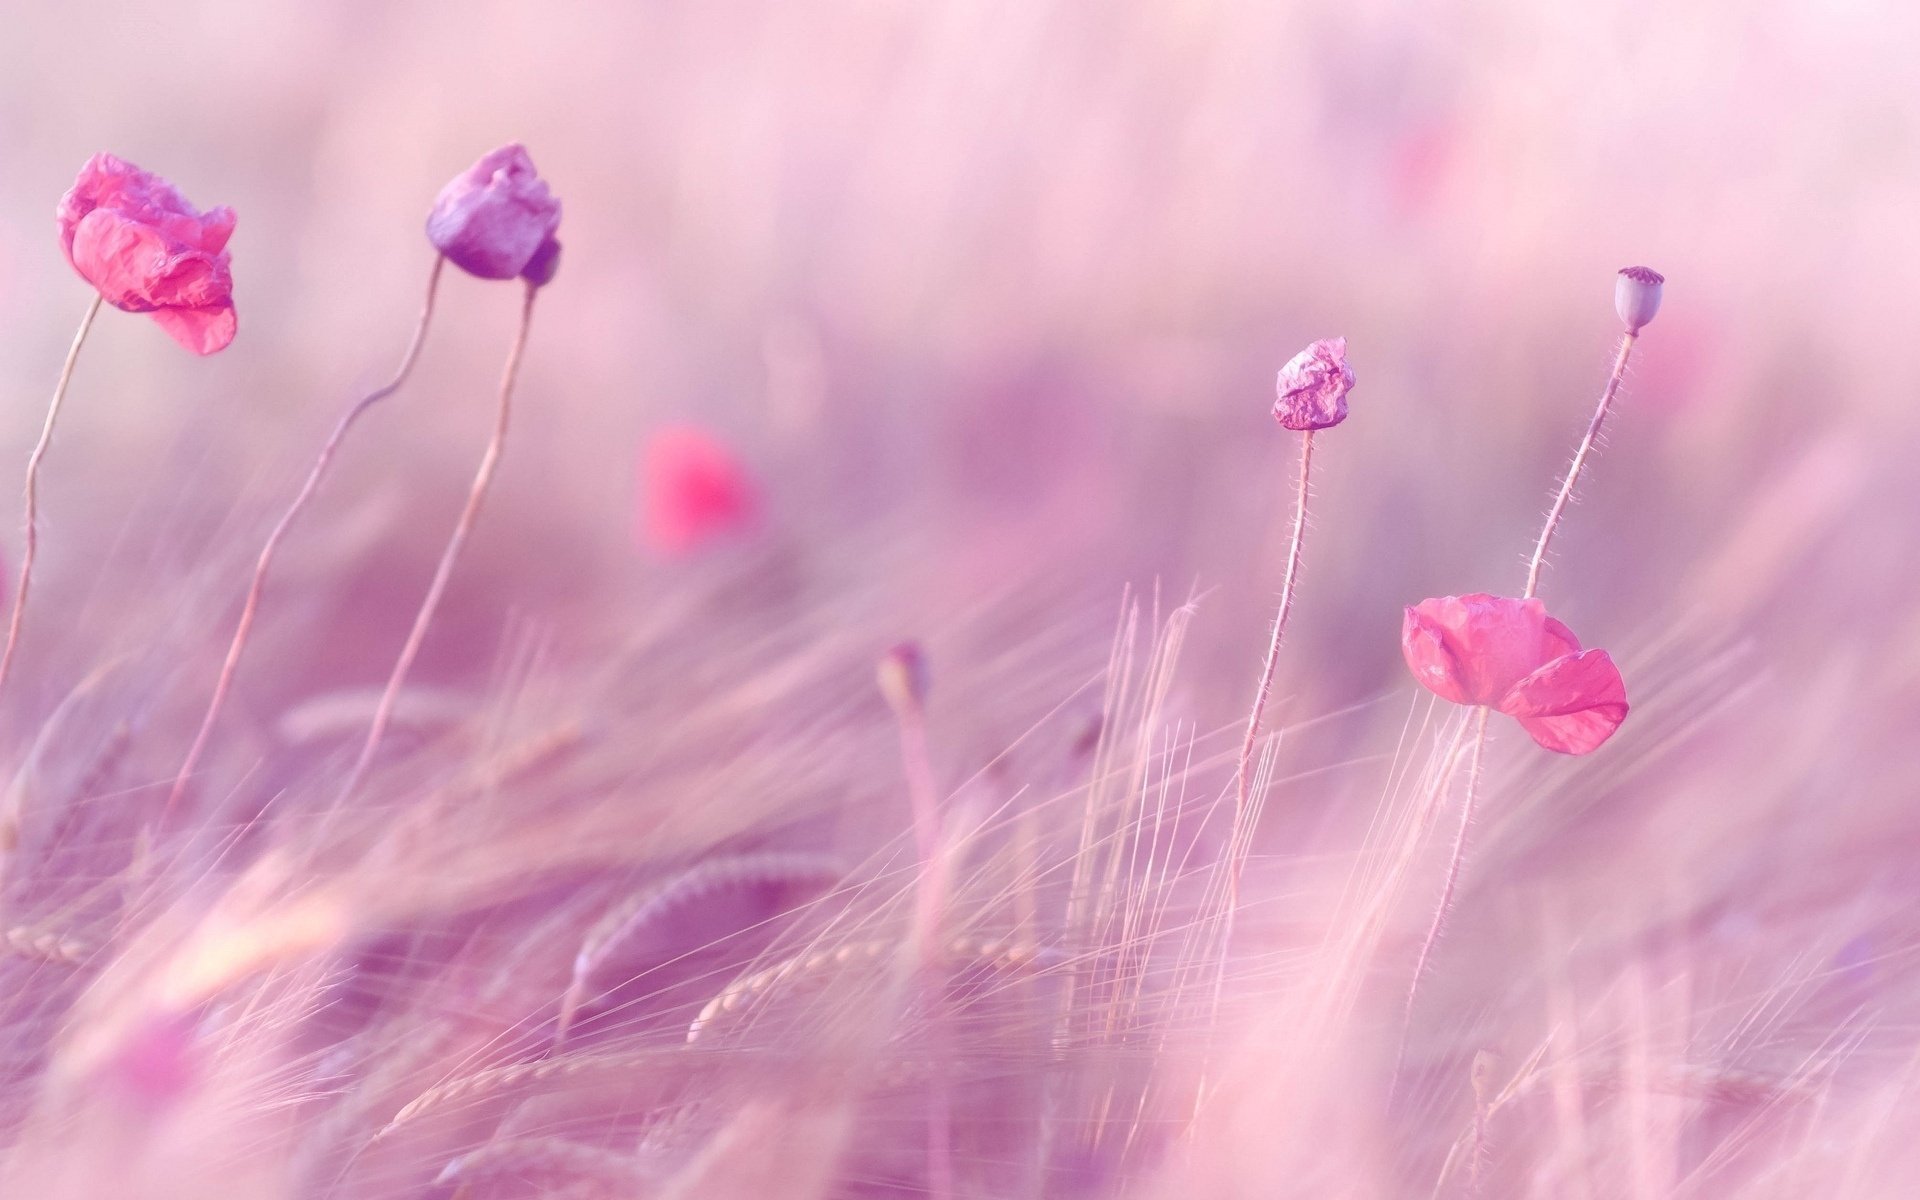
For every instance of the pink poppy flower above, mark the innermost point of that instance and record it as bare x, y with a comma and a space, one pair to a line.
694, 491
134, 237
1313, 386
1510, 655
495, 219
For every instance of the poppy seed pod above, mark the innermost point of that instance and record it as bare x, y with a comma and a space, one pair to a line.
1636, 296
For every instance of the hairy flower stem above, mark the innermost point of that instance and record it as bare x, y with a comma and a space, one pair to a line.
33, 478
1579, 464
929, 900
1242, 811
250, 609
1446, 893
476, 495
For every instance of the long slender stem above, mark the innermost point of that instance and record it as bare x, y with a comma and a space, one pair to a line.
476, 495
1579, 463
1446, 893
1242, 812
250, 609
929, 902
33, 478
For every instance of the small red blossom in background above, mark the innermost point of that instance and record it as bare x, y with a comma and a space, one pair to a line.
495, 219
1510, 655
1313, 386
134, 237
693, 491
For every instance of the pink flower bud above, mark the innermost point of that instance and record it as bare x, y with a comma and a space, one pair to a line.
1636, 295
135, 238
494, 218
1313, 387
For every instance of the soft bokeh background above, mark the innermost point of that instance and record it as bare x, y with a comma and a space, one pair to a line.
991, 295
1018, 275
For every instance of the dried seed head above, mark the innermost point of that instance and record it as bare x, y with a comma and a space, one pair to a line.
1636, 296
903, 677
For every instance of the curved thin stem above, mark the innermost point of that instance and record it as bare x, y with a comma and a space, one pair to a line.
1242, 800
33, 478
251, 608
476, 495
1579, 463
1446, 893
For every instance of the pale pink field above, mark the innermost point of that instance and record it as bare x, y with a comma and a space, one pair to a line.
822, 774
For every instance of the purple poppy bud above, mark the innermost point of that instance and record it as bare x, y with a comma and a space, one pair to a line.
494, 218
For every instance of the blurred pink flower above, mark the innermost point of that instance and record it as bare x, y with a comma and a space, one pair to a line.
1509, 654
494, 219
134, 237
1313, 387
694, 491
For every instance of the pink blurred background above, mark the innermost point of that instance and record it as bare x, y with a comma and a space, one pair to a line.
990, 296
1015, 277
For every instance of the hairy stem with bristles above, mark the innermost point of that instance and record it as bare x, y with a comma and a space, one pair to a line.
476, 495
1446, 893
1577, 465
250, 609
33, 478
1242, 811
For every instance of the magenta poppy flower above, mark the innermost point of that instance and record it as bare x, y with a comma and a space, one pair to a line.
1313, 386
694, 491
134, 237
1511, 656
495, 219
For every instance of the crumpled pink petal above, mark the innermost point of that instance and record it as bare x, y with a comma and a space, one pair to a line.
201, 330
135, 238
1311, 392
1471, 649
492, 219
1572, 704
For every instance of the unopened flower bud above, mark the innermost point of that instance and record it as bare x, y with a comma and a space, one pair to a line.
903, 677
491, 219
1636, 296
